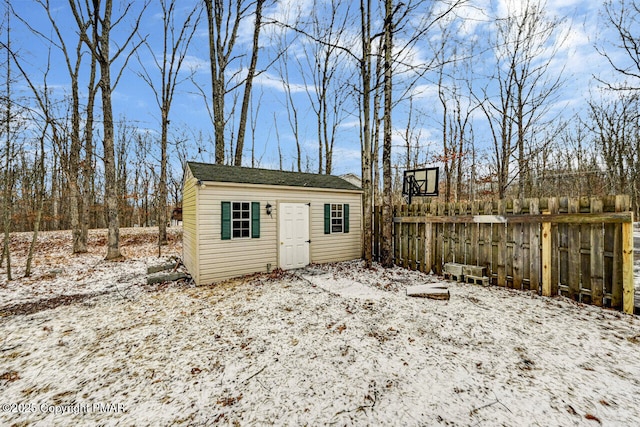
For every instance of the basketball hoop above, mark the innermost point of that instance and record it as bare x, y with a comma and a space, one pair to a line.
420, 183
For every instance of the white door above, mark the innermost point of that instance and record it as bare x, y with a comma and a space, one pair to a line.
294, 235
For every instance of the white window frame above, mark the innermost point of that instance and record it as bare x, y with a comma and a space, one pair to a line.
339, 216
240, 220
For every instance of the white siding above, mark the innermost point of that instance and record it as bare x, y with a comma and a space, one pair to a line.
189, 225
222, 259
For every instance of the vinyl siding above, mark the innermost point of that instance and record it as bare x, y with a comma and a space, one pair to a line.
223, 259
189, 226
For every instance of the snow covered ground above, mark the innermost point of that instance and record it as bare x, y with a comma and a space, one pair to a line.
333, 344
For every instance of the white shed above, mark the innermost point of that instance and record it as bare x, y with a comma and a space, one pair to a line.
239, 221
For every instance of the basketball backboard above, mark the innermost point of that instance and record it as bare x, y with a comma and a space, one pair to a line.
420, 183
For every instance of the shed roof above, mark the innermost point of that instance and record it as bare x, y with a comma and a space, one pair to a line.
243, 175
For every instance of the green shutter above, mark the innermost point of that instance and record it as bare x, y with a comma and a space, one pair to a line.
345, 212
226, 220
255, 220
327, 218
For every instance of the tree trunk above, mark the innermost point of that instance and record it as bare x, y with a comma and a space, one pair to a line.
249, 84
87, 167
365, 72
162, 196
110, 178
214, 18
40, 202
8, 178
387, 219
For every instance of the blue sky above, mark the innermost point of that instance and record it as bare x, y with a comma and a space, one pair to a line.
576, 58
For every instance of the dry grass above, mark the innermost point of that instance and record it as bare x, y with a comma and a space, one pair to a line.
55, 247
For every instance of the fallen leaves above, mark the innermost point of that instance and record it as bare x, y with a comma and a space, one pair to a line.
593, 418
45, 304
10, 376
229, 401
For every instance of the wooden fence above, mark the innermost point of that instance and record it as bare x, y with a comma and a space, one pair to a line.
578, 247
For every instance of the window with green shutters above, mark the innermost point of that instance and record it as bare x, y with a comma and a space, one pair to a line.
240, 220
336, 218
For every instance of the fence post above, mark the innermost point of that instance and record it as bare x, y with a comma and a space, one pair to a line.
546, 258
628, 290
618, 277
534, 248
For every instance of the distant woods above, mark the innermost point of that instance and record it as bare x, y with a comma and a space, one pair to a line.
410, 84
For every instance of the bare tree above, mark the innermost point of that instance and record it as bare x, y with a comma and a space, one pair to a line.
291, 107
73, 62
45, 115
248, 84
100, 16
623, 17
223, 19
525, 45
365, 76
88, 163
321, 68
8, 151
176, 37
616, 126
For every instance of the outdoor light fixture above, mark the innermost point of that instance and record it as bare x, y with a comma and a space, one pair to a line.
200, 183
269, 208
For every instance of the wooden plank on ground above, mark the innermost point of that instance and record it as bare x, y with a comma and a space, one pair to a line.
429, 291
166, 277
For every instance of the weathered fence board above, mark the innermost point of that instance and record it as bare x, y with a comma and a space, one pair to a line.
578, 247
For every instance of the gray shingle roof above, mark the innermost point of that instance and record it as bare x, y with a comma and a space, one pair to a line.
242, 175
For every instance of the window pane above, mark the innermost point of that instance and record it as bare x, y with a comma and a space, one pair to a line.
337, 218
241, 220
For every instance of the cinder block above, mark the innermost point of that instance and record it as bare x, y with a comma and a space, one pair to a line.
453, 268
477, 280
474, 270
